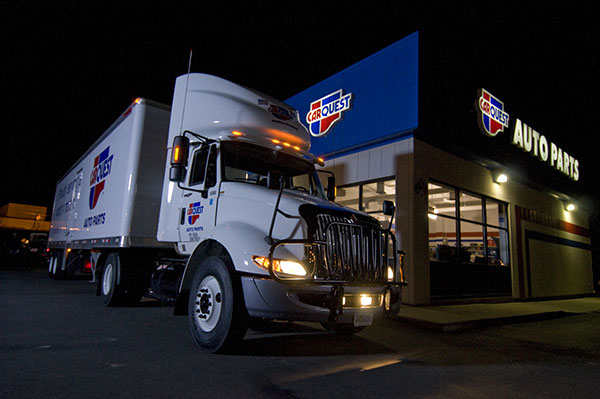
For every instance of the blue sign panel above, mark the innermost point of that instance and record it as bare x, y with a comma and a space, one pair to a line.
372, 101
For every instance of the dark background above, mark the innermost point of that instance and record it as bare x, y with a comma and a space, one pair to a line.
69, 70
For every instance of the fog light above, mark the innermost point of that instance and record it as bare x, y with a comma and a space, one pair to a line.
366, 300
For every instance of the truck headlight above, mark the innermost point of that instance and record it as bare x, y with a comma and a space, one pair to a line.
289, 267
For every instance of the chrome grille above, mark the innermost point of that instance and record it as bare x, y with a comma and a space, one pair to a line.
355, 251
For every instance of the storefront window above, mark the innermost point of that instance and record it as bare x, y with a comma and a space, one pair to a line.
472, 248
471, 207
369, 198
442, 239
497, 243
495, 213
442, 200
373, 195
348, 196
482, 237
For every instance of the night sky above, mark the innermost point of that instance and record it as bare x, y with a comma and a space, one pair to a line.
68, 71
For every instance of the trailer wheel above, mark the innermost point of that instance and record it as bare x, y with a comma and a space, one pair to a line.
54, 271
119, 285
115, 284
216, 311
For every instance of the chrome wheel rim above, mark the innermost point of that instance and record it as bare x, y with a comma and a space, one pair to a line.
207, 304
107, 279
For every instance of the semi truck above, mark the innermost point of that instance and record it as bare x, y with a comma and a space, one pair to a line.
215, 205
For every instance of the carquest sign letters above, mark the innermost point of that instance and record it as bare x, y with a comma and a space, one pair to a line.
537, 145
493, 117
327, 111
493, 121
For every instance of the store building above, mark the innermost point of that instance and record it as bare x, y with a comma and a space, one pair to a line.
381, 127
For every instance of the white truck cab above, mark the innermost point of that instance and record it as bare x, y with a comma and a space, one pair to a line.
246, 204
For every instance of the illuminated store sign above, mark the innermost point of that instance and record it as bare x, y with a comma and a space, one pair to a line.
327, 111
537, 145
493, 119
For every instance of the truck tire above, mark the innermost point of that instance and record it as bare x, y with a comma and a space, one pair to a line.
54, 265
115, 284
216, 311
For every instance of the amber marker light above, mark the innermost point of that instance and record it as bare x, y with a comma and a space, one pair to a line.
296, 148
287, 145
237, 133
275, 141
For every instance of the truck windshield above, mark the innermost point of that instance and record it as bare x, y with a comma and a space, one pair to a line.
249, 163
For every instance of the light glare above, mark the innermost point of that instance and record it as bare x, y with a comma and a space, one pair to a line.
366, 300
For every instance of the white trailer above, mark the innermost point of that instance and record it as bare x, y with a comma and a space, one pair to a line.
110, 198
218, 209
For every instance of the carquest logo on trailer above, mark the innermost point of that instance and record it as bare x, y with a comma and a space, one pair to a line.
101, 170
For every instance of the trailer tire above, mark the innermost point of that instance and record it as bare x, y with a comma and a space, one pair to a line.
54, 264
114, 284
216, 311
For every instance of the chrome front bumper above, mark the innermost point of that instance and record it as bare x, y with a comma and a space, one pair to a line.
268, 298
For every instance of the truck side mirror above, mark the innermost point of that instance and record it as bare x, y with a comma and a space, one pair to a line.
388, 208
179, 156
331, 188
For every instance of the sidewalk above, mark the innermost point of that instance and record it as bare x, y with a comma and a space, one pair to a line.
462, 317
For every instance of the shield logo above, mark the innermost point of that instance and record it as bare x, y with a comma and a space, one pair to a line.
493, 118
101, 170
325, 112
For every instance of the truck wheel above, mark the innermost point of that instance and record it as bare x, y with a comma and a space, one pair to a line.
342, 328
108, 283
54, 265
216, 311
114, 283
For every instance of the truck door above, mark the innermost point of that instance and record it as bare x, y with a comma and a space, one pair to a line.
199, 201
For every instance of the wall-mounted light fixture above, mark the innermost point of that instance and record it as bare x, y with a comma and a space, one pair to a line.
499, 176
569, 205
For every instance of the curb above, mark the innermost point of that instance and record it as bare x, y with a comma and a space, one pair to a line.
483, 323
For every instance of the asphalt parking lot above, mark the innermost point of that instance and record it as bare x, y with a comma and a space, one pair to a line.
57, 340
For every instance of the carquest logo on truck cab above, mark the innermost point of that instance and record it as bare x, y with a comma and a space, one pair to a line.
194, 211
101, 170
